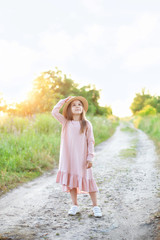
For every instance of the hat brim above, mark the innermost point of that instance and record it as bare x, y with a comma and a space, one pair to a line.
82, 99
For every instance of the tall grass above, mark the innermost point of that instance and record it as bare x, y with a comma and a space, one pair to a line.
103, 128
150, 125
30, 146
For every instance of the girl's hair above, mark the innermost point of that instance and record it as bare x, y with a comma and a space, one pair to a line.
83, 120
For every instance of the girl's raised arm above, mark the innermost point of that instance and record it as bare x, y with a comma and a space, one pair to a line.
55, 112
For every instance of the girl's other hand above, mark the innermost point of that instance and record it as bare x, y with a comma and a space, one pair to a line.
89, 164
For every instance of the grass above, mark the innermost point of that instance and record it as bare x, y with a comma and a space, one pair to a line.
150, 125
128, 129
103, 128
128, 153
30, 146
127, 126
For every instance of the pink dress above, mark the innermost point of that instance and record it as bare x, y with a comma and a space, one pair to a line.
75, 150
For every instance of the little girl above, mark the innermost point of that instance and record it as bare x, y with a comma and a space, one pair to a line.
76, 151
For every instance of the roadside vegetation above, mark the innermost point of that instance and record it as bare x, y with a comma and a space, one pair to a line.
150, 125
146, 114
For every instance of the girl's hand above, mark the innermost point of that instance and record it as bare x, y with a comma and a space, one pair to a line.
68, 98
89, 164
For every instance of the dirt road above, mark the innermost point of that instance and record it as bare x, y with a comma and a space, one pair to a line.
128, 196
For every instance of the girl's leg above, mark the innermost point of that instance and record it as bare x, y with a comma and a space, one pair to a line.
73, 193
93, 196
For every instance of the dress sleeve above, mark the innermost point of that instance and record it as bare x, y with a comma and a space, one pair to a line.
56, 114
90, 142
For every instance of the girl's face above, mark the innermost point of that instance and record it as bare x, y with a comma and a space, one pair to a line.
76, 107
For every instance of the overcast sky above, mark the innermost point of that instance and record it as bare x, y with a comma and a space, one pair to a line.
112, 44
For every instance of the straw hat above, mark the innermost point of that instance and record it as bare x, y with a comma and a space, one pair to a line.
82, 99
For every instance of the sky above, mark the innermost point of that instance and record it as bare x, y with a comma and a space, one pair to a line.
114, 45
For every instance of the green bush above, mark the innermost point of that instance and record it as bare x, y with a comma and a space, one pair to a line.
147, 111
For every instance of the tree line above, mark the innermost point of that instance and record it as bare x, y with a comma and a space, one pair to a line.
48, 89
145, 104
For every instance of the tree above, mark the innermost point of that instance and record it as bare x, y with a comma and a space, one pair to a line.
147, 110
50, 87
142, 100
139, 101
154, 101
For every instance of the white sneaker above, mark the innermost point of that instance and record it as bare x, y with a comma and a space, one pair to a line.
97, 211
74, 209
